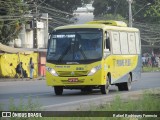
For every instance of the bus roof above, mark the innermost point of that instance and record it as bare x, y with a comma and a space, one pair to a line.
99, 26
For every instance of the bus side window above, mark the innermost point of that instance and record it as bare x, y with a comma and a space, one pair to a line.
107, 42
107, 46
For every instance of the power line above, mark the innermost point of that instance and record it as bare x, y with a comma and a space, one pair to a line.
149, 32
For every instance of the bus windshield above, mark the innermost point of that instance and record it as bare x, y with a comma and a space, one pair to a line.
75, 45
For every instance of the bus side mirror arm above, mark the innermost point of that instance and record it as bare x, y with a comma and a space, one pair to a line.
106, 53
107, 43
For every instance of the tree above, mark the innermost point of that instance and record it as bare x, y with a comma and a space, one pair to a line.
111, 17
12, 14
146, 13
11, 19
87, 1
101, 7
61, 11
110, 7
65, 5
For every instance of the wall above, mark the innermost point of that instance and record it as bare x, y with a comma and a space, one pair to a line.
8, 63
42, 64
26, 36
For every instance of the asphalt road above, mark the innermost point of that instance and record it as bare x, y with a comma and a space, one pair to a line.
43, 94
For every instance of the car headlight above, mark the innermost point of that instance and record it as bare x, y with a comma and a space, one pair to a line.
94, 70
52, 71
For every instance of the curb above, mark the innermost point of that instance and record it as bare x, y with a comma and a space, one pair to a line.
20, 79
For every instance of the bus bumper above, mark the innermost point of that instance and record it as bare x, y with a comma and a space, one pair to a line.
96, 79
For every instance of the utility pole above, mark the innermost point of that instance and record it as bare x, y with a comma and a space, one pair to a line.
130, 12
35, 27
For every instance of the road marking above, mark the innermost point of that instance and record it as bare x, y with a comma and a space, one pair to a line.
40, 94
74, 102
86, 100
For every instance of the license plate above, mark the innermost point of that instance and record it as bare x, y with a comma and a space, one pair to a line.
72, 79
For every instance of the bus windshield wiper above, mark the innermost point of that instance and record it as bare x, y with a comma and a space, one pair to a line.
82, 52
64, 53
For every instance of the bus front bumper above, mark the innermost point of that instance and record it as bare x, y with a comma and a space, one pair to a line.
96, 79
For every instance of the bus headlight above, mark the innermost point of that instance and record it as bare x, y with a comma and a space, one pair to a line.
94, 70
52, 71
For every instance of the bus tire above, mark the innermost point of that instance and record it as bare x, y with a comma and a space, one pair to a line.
104, 88
126, 86
58, 90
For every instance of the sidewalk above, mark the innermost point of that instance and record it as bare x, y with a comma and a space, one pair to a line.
20, 79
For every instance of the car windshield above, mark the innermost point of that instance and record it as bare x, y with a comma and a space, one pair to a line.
75, 45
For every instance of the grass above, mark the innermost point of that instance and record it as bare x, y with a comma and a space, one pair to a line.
22, 106
151, 69
149, 101
29, 106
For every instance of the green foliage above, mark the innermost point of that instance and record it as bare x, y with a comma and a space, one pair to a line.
11, 18
110, 7
100, 7
140, 10
151, 69
1, 106
111, 17
86, 1
12, 14
146, 11
22, 106
148, 102
65, 5
61, 11
30, 105
145, 14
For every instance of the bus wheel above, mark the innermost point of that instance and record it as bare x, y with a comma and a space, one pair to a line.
104, 88
58, 90
126, 86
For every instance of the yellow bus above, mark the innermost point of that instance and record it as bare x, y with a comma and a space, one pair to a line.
94, 55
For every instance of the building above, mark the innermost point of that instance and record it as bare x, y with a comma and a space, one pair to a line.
34, 32
84, 14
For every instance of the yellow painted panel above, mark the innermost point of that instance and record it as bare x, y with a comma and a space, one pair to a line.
97, 79
117, 65
120, 65
8, 63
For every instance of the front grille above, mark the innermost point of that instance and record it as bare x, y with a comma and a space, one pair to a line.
72, 73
